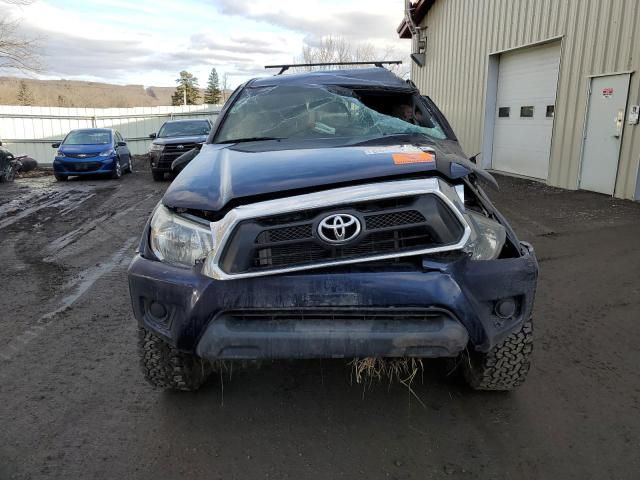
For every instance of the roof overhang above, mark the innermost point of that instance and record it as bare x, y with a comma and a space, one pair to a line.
419, 10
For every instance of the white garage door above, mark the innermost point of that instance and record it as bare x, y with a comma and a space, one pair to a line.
526, 97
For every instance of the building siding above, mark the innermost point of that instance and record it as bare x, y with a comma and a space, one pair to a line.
597, 37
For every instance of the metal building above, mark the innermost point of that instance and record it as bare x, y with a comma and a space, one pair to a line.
545, 89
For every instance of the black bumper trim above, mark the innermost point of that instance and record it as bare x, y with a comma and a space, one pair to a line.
312, 333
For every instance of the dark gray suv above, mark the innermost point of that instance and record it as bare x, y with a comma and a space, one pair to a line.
172, 140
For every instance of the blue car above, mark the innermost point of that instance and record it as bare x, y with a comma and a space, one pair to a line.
332, 215
92, 151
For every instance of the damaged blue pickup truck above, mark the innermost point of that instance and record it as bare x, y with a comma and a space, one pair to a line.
332, 214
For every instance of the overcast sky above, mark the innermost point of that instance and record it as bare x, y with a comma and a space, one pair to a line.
149, 42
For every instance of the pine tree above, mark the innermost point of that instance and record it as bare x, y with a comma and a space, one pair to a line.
212, 94
187, 82
25, 97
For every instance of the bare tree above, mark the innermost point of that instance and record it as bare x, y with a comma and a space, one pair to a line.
335, 49
225, 87
17, 51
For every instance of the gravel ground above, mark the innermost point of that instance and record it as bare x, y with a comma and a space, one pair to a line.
73, 404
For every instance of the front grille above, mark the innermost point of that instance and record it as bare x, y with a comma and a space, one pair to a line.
174, 148
365, 208
83, 166
285, 234
376, 243
372, 222
81, 155
386, 220
388, 227
171, 152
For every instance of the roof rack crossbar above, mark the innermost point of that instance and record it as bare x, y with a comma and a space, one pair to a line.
377, 63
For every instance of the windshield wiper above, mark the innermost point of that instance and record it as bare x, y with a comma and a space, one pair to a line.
251, 139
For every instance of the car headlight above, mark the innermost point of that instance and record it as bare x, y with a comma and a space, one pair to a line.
178, 241
156, 148
487, 237
107, 153
60, 154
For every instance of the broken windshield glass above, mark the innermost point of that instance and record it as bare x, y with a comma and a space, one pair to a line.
305, 112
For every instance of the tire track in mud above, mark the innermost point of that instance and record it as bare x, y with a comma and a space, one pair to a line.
56, 248
73, 291
25, 206
97, 230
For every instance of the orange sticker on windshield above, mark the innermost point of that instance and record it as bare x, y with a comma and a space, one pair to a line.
405, 158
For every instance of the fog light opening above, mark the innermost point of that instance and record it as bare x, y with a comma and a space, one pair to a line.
157, 310
505, 308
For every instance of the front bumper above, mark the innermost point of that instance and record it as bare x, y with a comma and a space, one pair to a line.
161, 161
89, 166
213, 318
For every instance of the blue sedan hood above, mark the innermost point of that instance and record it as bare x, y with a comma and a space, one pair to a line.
90, 149
220, 173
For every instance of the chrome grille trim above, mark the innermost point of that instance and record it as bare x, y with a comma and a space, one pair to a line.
223, 229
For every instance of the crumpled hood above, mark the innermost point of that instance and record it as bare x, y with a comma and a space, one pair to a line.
220, 174
178, 140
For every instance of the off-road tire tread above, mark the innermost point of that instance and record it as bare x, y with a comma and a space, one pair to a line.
166, 367
503, 368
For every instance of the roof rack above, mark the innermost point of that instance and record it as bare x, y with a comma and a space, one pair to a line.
284, 68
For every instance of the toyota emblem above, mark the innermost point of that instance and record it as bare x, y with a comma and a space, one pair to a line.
180, 147
339, 228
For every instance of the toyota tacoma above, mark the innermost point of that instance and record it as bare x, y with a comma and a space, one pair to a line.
332, 214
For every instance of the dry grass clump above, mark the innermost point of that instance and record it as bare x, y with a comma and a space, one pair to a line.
404, 370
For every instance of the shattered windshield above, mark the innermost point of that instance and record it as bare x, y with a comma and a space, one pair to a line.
288, 112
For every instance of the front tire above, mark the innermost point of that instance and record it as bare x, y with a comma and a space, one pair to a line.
165, 367
503, 368
157, 176
117, 170
61, 178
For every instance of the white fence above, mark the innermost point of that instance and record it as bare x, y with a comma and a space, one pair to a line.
32, 130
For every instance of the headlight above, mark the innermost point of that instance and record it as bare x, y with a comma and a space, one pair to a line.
156, 148
487, 237
178, 241
107, 153
60, 154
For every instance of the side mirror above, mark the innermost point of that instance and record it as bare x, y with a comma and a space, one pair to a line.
122, 144
183, 160
152, 135
55, 145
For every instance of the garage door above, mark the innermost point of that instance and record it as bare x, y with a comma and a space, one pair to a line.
526, 97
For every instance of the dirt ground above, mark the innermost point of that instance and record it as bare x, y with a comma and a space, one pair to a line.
73, 404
